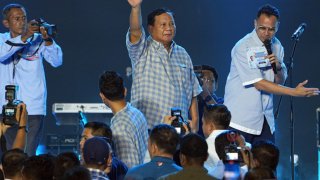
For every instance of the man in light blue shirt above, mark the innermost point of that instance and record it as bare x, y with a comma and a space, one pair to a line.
163, 75
162, 145
22, 51
252, 81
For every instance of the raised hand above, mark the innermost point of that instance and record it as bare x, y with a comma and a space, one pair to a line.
134, 3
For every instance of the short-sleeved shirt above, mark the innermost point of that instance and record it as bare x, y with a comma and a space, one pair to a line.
161, 79
248, 105
157, 167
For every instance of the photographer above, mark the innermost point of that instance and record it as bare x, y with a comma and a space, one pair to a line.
234, 154
20, 137
22, 51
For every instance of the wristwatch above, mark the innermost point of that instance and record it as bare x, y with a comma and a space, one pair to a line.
23, 127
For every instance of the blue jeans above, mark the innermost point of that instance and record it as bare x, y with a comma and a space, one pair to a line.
35, 125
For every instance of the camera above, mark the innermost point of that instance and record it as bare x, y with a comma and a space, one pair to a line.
232, 150
50, 28
177, 123
10, 109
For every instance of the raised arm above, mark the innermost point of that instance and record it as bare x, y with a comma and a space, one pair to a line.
21, 116
135, 20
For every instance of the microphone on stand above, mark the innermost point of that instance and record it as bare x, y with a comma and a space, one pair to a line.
267, 43
299, 31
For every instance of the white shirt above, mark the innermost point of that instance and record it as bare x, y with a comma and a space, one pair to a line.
213, 158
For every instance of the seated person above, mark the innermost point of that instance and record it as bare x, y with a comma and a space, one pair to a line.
12, 161
92, 129
232, 151
193, 154
162, 144
215, 120
38, 167
97, 157
265, 154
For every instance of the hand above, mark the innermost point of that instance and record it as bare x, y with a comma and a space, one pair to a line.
22, 114
301, 91
134, 3
32, 28
168, 119
274, 60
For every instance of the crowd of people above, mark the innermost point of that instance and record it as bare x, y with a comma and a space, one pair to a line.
220, 138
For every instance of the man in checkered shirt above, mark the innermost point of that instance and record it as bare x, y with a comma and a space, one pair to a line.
163, 75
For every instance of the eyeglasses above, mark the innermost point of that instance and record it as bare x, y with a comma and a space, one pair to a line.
207, 80
267, 29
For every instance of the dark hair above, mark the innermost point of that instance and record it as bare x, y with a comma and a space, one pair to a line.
76, 173
12, 161
209, 68
260, 173
7, 8
222, 141
218, 114
111, 85
266, 153
63, 162
194, 147
268, 10
99, 129
38, 167
102, 130
165, 137
157, 12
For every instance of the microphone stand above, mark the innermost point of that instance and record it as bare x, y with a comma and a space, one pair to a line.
290, 76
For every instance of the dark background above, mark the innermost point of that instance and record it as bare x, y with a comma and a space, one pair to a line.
92, 37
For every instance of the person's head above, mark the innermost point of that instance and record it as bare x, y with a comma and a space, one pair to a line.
215, 117
97, 153
15, 19
209, 77
161, 25
63, 162
76, 173
265, 154
193, 150
267, 22
111, 87
227, 142
260, 173
38, 168
92, 129
12, 162
163, 140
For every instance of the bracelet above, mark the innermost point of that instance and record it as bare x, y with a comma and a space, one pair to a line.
23, 127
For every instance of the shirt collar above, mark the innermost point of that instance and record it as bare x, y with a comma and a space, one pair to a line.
215, 133
157, 45
119, 112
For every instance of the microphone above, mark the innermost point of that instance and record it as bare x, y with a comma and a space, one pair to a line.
267, 43
299, 31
